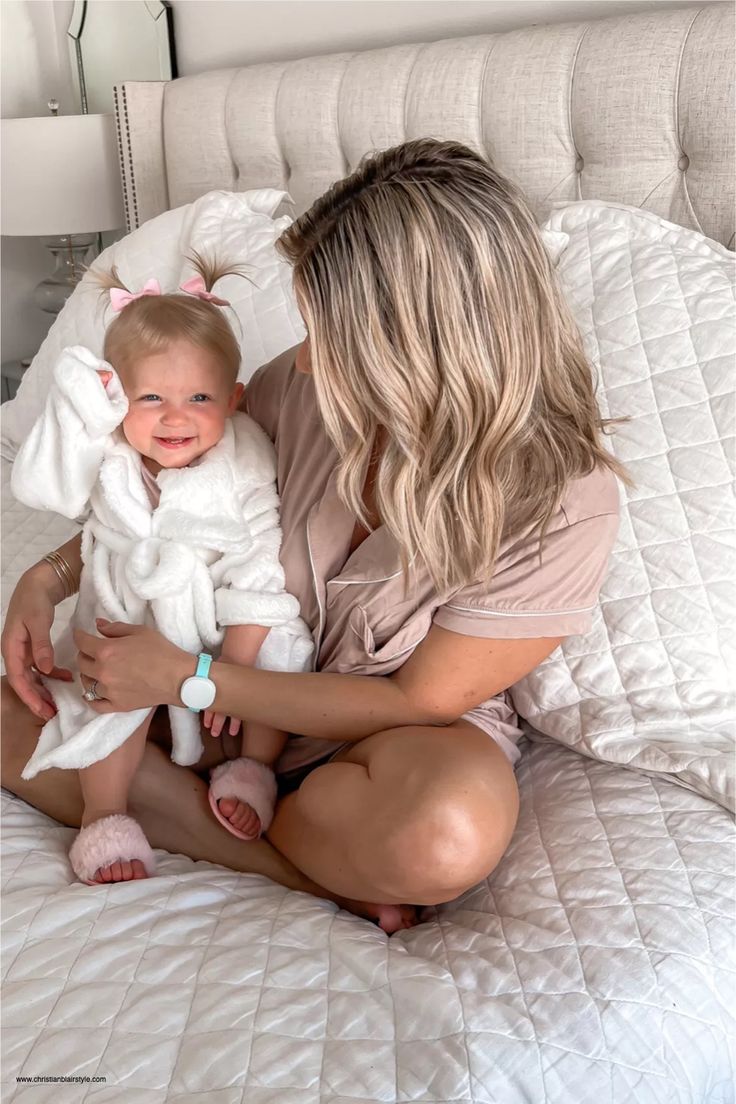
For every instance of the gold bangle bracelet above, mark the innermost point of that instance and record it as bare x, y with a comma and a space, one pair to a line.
63, 571
73, 584
59, 574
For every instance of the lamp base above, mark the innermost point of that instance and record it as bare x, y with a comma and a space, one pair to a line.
72, 254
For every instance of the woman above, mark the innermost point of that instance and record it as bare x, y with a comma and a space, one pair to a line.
448, 509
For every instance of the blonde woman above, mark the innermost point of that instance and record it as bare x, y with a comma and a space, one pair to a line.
448, 508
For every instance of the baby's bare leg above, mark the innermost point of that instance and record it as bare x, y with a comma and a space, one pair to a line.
265, 744
262, 742
105, 786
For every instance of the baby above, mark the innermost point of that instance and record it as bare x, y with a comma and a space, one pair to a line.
182, 533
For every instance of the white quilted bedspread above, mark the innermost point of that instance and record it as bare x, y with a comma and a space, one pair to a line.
596, 965
650, 685
26, 536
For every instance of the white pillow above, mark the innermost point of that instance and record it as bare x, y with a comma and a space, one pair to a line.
239, 227
650, 685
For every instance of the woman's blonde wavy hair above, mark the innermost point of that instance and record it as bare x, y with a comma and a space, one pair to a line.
147, 325
434, 316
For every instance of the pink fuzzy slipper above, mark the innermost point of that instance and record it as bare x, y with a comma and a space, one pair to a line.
248, 781
112, 839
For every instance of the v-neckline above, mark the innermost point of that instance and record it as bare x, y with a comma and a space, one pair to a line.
369, 505
357, 529
358, 532
331, 528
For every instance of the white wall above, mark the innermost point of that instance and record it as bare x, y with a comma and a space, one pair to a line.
215, 34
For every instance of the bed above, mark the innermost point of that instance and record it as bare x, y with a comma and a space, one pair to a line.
596, 963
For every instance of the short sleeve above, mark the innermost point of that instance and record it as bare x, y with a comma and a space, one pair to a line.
529, 596
264, 391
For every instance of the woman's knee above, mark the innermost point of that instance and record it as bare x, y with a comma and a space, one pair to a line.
444, 847
476, 848
427, 812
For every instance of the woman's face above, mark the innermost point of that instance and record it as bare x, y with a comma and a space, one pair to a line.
303, 362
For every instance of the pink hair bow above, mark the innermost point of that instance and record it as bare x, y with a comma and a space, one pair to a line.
196, 286
120, 298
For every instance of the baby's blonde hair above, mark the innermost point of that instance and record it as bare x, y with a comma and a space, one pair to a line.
149, 324
434, 314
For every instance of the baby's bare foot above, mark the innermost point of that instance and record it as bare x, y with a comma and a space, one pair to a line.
241, 815
120, 872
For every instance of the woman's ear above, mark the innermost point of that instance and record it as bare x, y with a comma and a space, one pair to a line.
303, 362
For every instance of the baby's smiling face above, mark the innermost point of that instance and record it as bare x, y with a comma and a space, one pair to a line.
180, 400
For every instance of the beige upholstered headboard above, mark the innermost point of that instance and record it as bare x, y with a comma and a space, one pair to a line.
638, 110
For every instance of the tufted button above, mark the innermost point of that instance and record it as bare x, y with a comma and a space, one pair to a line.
683, 163
579, 164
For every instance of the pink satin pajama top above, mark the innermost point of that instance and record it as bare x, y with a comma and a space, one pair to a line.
361, 620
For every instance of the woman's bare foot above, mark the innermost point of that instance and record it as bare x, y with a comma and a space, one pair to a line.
390, 918
241, 815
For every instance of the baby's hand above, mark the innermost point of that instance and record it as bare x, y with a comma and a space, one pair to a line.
240, 646
215, 722
104, 375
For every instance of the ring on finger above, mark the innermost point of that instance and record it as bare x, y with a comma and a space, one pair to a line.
90, 694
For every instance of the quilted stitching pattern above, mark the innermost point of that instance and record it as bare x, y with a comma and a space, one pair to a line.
27, 536
648, 686
595, 965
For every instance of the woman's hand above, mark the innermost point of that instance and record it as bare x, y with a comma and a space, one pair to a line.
134, 666
26, 639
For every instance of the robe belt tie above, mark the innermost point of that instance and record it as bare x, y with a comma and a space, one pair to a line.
156, 568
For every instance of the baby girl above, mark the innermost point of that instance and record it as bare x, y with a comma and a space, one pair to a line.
181, 532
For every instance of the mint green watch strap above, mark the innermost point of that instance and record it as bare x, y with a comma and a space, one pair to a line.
204, 663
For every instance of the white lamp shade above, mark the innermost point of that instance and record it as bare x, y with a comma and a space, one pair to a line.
60, 175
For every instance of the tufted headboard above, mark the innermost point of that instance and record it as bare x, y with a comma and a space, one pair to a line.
638, 110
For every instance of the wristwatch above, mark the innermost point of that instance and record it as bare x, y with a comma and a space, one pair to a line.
198, 692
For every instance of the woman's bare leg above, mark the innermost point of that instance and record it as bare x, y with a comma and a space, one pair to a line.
105, 786
169, 802
412, 814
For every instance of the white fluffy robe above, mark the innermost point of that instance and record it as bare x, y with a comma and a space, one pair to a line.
205, 558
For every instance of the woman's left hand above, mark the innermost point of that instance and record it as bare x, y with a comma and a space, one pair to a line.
134, 666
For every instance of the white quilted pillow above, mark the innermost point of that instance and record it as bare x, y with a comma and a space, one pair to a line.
238, 227
649, 685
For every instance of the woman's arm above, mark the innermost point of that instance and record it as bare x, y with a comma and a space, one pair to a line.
26, 638
447, 674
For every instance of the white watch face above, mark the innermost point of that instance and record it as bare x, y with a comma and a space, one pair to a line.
198, 692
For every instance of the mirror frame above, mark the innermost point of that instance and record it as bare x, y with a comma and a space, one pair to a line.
162, 15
